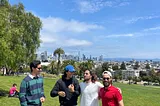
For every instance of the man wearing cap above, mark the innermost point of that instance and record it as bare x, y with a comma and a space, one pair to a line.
67, 88
110, 95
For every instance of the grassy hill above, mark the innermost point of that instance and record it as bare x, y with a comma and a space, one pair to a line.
133, 95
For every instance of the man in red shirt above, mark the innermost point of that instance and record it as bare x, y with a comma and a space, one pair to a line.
109, 94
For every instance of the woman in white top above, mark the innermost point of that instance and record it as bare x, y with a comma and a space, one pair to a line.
89, 90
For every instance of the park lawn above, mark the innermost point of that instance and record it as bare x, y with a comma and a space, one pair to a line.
133, 95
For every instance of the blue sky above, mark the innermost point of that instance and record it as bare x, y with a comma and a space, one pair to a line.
112, 28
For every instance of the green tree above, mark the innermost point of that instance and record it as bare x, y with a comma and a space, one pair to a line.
147, 78
129, 79
115, 67
123, 66
148, 66
136, 66
98, 71
118, 74
52, 67
135, 79
19, 35
105, 66
58, 53
142, 73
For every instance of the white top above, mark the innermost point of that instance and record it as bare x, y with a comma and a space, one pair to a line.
89, 93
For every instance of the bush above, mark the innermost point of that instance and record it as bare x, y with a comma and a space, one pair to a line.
44, 74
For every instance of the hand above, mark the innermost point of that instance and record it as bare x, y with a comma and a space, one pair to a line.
62, 93
42, 99
71, 88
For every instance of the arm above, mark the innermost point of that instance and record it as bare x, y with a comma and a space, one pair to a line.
99, 94
42, 90
55, 90
22, 93
17, 90
100, 85
121, 103
76, 89
119, 98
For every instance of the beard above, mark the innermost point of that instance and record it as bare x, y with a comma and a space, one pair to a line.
87, 79
106, 84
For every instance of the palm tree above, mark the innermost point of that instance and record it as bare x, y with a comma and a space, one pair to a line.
52, 67
58, 53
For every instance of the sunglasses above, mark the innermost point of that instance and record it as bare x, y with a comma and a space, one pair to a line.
106, 78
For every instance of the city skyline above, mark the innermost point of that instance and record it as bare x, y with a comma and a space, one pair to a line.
112, 28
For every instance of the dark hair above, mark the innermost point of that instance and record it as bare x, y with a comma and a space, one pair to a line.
65, 75
14, 84
94, 77
34, 64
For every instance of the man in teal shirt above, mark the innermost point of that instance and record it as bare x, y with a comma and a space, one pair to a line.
31, 89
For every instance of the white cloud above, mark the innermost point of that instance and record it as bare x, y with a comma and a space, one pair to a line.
57, 32
124, 4
152, 29
76, 42
135, 19
53, 24
120, 35
47, 38
91, 6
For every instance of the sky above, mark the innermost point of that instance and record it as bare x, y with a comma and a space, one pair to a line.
112, 28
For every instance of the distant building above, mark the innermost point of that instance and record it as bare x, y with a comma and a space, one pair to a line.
101, 58
83, 57
44, 56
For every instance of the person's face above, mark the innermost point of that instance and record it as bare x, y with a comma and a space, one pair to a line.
69, 74
87, 75
107, 80
37, 70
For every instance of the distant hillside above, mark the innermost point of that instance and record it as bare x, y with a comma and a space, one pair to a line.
128, 59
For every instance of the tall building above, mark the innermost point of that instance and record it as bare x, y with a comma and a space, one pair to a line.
44, 56
101, 58
83, 57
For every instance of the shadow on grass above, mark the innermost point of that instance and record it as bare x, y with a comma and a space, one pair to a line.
3, 93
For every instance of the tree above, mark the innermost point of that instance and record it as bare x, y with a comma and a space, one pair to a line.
98, 71
152, 74
147, 78
19, 35
118, 74
52, 67
136, 66
123, 66
142, 73
148, 66
129, 78
135, 79
105, 66
115, 67
58, 53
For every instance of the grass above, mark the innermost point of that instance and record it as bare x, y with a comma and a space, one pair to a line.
133, 95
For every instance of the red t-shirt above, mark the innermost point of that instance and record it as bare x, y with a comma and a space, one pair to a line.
110, 96
12, 90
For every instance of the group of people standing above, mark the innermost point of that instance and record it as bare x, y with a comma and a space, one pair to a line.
68, 89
